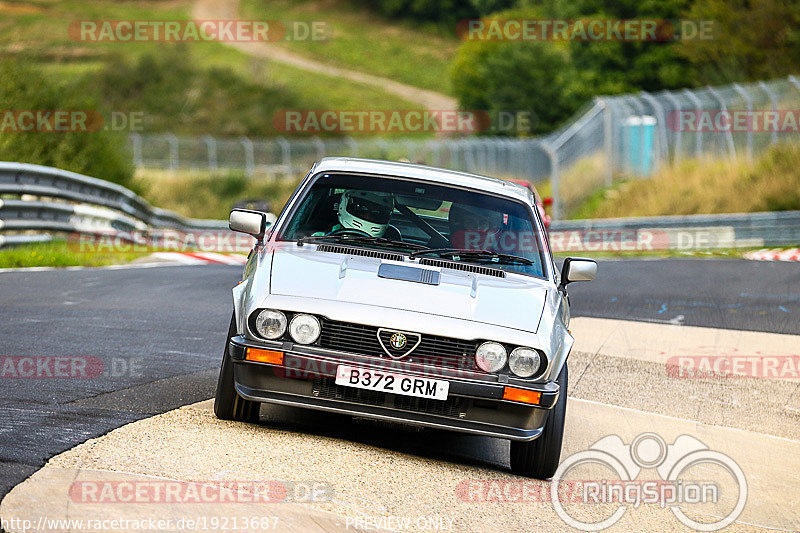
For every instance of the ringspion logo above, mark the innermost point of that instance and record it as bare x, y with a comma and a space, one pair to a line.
723, 482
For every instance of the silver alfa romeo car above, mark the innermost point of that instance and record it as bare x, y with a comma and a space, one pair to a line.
406, 293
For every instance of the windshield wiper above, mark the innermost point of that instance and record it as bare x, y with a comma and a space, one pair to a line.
457, 253
362, 239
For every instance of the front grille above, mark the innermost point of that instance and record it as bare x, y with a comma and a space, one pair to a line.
454, 406
456, 265
351, 250
432, 350
327, 388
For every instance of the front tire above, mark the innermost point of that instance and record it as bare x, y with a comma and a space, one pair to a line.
539, 458
228, 405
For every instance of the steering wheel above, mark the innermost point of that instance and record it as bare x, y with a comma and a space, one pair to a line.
350, 231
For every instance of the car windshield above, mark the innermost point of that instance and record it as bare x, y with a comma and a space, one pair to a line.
430, 220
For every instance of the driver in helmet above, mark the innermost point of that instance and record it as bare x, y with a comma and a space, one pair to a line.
472, 228
366, 212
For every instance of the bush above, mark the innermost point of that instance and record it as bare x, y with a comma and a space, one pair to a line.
518, 76
101, 154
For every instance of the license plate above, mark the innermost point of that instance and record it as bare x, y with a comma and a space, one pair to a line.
364, 378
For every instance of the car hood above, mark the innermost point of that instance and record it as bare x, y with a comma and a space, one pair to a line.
514, 302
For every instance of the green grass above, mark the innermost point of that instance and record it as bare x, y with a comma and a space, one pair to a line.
209, 195
363, 40
39, 31
59, 253
770, 183
314, 91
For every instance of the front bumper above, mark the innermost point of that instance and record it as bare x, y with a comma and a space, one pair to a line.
474, 405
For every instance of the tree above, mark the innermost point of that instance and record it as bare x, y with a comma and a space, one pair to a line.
752, 40
554, 79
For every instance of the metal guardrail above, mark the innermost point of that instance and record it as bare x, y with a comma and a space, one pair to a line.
47, 199
92, 206
689, 232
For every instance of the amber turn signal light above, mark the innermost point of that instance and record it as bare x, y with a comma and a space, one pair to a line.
264, 356
522, 395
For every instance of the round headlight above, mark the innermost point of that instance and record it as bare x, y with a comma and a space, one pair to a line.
270, 324
304, 329
524, 362
491, 356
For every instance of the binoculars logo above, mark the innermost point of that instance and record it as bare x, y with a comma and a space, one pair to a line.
650, 451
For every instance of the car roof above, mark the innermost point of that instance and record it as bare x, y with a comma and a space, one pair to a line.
424, 173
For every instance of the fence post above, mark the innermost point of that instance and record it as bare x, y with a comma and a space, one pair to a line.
491, 156
469, 156
352, 145
774, 100
698, 139
794, 81
286, 154
678, 141
724, 109
249, 158
453, 147
384, 146
436, 153
749, 103
411, 151
481, 151
136, 140
637, 105
625, 143
661, 122
319, 146
211, 147
174, 161
554, 179
608, 143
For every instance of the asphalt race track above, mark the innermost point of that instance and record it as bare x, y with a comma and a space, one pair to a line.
153, 338
146, 325
729, 294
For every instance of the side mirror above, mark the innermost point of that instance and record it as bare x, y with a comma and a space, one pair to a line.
577, 269
246, 221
